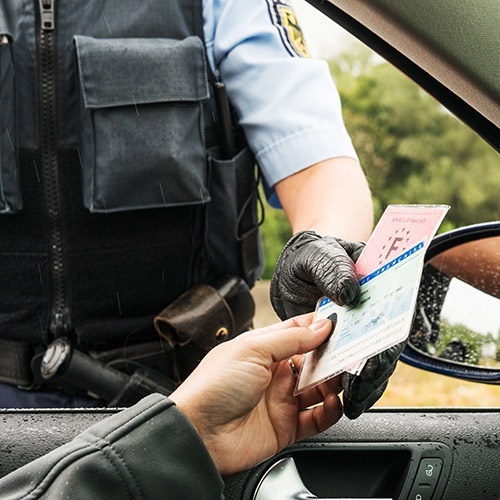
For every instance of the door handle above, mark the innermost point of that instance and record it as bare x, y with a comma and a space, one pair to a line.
283, 482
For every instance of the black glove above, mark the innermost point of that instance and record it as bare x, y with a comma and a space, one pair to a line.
310, 267
363, 390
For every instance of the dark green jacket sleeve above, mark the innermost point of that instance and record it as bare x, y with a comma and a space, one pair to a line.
148, 451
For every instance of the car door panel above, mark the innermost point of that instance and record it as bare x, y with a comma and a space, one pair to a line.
376, 456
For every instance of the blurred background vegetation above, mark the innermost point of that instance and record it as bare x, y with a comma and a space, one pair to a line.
411, 148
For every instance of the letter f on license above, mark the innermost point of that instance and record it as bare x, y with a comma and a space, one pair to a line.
394, 246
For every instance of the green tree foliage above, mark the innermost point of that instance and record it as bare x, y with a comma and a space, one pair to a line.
411, 148
276, 231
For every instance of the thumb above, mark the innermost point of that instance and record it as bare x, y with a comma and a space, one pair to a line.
282, 343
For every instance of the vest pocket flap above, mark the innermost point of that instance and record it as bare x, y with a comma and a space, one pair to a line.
131, 71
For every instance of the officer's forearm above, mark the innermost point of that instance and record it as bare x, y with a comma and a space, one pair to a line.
331, 197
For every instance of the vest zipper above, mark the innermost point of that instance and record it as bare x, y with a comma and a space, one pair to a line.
60, 322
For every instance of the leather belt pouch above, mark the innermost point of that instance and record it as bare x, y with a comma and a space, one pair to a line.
207, 314
203, 317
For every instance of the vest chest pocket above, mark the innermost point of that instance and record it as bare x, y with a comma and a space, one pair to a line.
142, 142
10, 190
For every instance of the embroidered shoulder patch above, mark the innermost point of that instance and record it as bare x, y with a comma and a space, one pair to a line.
285, 19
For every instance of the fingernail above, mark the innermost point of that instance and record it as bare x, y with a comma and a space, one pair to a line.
318, 325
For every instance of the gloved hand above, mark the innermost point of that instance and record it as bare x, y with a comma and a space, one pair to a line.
310, 267
362, 391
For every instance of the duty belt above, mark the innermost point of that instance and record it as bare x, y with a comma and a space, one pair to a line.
15, 363
64, 367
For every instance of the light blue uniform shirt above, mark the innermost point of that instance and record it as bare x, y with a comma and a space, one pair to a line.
287, 105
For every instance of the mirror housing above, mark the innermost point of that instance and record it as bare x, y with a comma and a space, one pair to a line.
456, 329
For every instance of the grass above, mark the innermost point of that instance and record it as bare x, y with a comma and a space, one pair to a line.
411, 386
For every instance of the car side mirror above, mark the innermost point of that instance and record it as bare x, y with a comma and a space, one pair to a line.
456, 329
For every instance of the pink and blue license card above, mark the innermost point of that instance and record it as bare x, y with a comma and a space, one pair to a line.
390, 270
400, 227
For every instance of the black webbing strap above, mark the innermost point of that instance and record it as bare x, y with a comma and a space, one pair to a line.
15, 362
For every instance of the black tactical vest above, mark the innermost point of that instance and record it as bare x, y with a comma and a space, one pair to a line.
114, 198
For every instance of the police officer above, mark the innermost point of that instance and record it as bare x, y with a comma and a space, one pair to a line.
111, 209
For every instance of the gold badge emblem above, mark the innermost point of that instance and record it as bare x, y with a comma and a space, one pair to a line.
285, 19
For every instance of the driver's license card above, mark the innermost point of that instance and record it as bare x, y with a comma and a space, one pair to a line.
400, 227
388, 295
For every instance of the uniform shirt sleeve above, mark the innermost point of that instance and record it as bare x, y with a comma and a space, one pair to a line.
288, 105
148, 451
